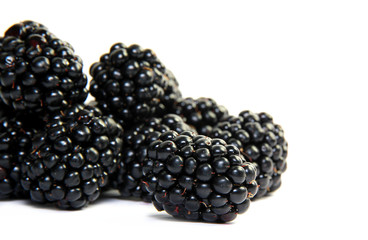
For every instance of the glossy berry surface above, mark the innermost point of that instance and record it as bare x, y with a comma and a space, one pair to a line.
38, 71
198, 178
201, 113
132, 84
15, 145
72, 159
261, 141
129, 178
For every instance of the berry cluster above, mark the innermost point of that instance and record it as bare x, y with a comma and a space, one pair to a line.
129, 178
132, 84
72, 158
39, 72
196, 177
53, 146
189, 157
261, 142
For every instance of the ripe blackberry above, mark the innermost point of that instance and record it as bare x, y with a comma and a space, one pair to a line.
261, 141
132, 84
198, 178
202, 113
15, 145
136, 141
39, 72
73, 158
24, 29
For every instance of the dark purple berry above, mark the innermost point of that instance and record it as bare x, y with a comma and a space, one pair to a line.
211, 184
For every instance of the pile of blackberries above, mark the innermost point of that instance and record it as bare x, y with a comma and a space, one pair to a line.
187, 156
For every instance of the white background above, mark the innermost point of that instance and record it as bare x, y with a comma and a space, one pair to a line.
304, 62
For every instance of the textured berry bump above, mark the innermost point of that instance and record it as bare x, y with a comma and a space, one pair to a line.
201, 113
261, 141
15, 145
198, 178
73, 158
38, 71
137, 139
132, 84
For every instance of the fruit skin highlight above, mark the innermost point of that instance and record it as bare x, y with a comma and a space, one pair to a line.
198, 178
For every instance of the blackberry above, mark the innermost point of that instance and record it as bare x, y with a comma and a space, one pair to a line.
24, 29
15, 145
261, 141
132, 84
72, 159
202, 113
198, 178
136, 141
39, 72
